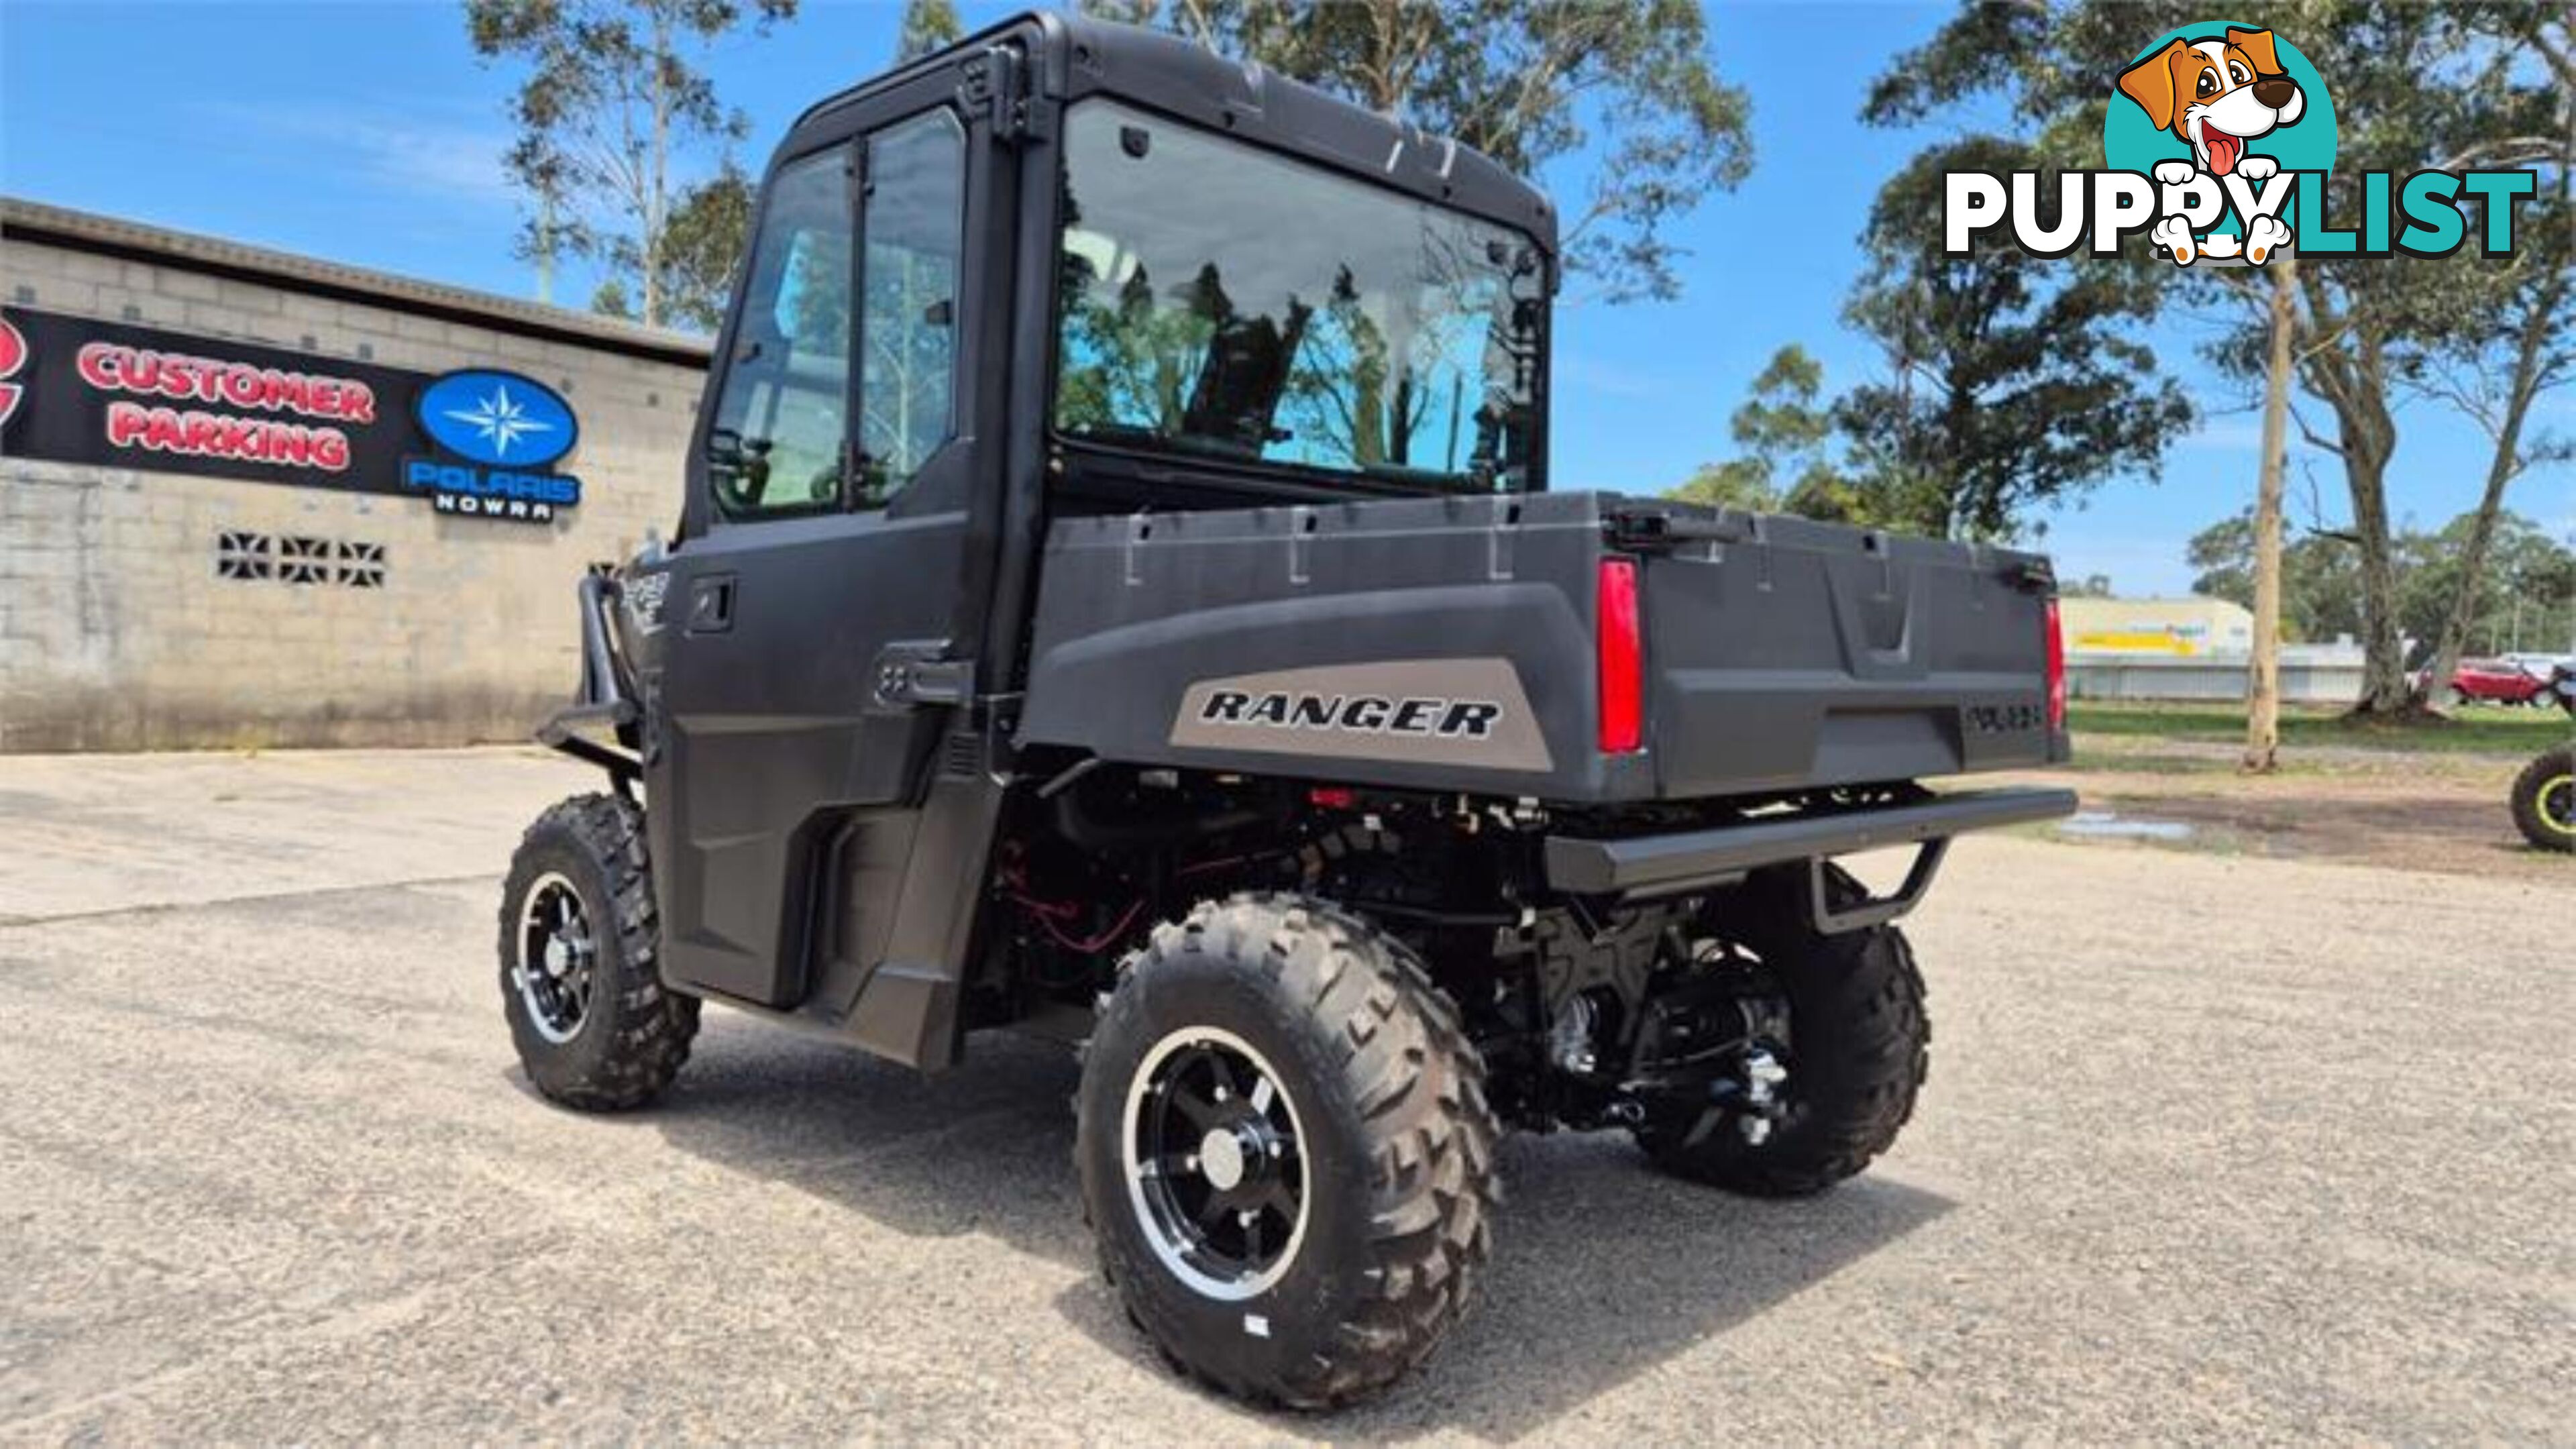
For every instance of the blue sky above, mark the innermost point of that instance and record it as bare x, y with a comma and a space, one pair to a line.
366, 131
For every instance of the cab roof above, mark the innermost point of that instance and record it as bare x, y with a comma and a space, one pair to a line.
1074, 55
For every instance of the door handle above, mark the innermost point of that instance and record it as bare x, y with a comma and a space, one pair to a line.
711, 604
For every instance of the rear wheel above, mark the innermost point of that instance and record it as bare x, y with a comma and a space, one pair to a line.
1854, 1047
1286, 1151
594, 1025
2544, 800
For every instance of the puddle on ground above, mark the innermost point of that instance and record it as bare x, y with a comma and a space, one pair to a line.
2107, 825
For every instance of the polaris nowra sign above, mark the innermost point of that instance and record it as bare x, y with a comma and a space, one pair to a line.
503, 430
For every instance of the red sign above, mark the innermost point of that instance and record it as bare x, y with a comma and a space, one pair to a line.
13, 355
243, 436
127, 396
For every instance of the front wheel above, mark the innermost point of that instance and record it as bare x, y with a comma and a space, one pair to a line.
594, 1025
1286, 1151
1853, 1045
2544, 800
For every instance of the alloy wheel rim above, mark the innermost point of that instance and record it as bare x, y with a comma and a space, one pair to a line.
1214, 1155
558, 958
2558, 804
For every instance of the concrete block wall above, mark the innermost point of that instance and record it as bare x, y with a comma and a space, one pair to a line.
117, 631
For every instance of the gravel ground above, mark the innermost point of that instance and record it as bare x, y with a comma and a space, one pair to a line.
2213, 1149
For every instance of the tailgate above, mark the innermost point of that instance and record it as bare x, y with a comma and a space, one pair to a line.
1785, 653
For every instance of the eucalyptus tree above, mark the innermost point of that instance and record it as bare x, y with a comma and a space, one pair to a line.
613, 101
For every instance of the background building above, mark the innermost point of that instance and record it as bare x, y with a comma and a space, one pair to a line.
2190, 650
2184, 628
231, 514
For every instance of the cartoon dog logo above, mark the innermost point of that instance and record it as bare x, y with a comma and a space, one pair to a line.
2216, 96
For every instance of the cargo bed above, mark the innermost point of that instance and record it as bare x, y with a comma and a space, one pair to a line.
1456, 643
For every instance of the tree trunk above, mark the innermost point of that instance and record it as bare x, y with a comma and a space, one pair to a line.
657, 200
2369, 438
2349, 371
2501, 468
546, 248
2263, 682
2385, 689
2531, 364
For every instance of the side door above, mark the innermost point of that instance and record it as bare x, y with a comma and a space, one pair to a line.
832, 497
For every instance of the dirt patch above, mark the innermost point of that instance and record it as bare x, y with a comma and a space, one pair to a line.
2361, 807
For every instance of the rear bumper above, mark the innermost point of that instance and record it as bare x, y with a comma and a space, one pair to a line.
1654, 865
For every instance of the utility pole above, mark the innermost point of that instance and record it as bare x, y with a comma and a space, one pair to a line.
2263, 681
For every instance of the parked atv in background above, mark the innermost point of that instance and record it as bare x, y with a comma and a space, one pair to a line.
2544, 794
2544, 800
1165, 642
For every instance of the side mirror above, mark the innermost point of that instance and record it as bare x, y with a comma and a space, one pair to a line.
942, 313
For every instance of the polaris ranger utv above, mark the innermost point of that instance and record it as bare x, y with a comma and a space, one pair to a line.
1117, 596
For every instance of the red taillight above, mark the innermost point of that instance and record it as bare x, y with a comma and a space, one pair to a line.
1620, 647
2056, 669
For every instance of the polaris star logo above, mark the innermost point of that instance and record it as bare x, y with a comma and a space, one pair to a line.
1363, 714
500, 420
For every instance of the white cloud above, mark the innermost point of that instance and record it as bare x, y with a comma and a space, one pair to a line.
2225, 435
445, 161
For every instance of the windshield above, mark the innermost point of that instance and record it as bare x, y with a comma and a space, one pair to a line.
1220, 301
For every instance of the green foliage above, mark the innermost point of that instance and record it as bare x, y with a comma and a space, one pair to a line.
2526, 584
2006, 385
610, 97
2320, 578
2514, 734
1736, 483
2009, 383
1529, 83
1786, 428
702, 248
927, 25
2522, 596
2415, 86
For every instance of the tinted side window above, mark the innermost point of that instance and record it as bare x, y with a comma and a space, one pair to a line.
914, 224
780, 420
